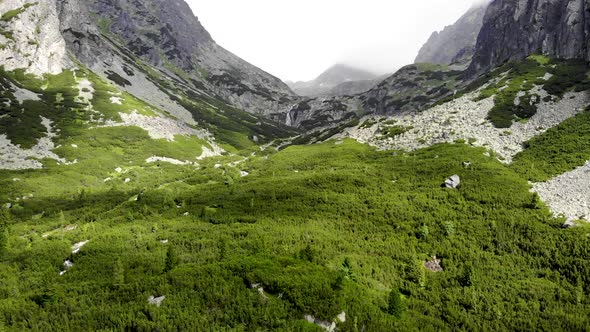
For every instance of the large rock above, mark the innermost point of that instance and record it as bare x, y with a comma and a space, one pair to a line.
453, 182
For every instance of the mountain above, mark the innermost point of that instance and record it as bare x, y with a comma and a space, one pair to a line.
138, 195
512, 30
456, 43
337, 79
167, 35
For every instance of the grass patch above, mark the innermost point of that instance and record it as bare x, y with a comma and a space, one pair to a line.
559, 150
394, 131
11, 14
285, 228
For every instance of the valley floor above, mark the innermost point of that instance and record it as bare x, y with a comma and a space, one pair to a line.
261, 242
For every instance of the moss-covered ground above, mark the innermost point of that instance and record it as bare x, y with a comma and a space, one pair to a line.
516, 78
323, 229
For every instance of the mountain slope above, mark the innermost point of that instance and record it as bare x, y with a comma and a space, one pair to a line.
166, 35
456, 42
334, 79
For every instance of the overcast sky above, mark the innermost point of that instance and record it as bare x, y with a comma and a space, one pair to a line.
299, 39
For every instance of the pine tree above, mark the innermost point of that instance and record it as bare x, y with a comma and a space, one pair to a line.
118, 273
3, 238
466, 279
307, 254
535, 202
396, 306
416, 272
171, 259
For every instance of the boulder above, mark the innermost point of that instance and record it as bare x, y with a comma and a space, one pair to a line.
156, 300
453, 182
434, 265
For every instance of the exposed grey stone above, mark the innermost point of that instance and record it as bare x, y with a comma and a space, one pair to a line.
453, 182
157, 301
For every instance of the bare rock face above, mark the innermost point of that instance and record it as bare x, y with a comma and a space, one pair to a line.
456, 42
514, 29
30, 37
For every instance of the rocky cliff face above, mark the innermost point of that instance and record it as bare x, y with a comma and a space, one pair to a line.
456, 42
30, 37
514, 29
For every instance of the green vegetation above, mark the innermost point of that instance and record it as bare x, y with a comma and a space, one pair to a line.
11, 14
507, 266
520, 76
311, 230
395, 306
559, 150
517, 77
104, 25
327, 133
368, 123
393, 131
58, 101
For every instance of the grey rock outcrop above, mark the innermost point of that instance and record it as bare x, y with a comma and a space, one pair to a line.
157, 301
321, 112
514, 29
456, 43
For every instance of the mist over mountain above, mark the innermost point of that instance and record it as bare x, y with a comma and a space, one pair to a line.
456, 43
339, 79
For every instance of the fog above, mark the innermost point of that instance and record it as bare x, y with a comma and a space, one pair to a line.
297, 40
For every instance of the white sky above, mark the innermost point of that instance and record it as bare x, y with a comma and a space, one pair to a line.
298, 40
